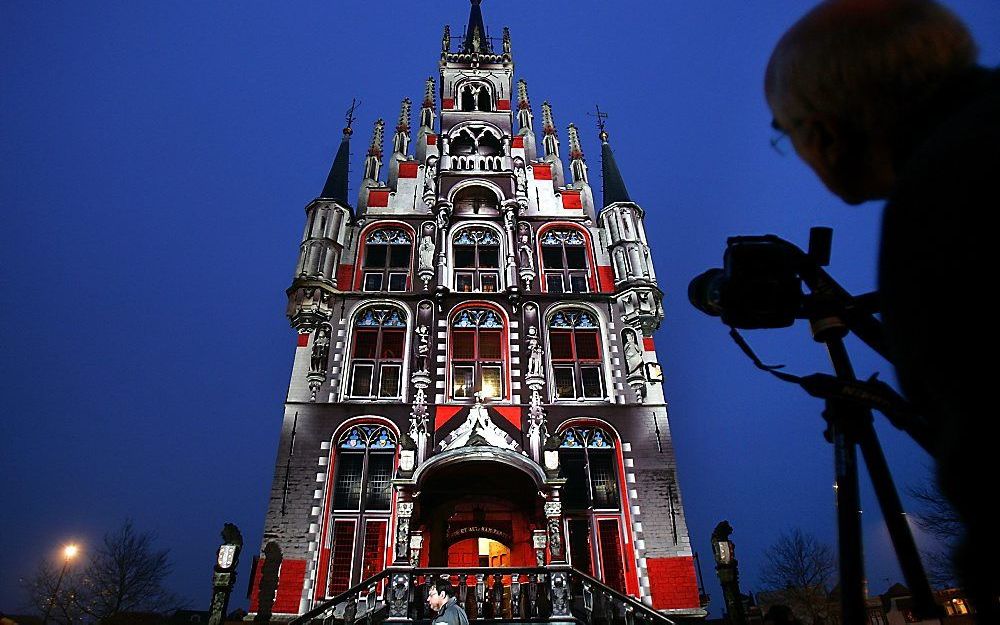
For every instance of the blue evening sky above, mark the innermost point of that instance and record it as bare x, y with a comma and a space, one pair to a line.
154, 164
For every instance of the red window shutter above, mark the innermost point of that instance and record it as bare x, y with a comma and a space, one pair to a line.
340, 560
464, 345
392, 344
364, 343
489, 344
586, 346
561, 344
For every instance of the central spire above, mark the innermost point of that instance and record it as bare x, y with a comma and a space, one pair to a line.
475, 32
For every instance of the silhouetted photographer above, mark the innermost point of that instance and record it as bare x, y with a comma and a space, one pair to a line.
883, 99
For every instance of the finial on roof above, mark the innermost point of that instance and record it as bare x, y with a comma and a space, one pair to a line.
614, 185
476, 40
336, 181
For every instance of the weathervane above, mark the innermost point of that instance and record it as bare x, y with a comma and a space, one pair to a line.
350, 112
600, 120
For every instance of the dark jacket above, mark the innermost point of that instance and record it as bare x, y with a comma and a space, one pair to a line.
937, 271
452, 614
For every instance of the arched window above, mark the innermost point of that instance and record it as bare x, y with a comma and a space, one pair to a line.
576, 355
475, 97
477, 260
377, 353
361, 504
564, 261
387, 260
592, 503
477, 354
475, 200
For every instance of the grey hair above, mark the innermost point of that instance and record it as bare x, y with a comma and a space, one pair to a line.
866, 61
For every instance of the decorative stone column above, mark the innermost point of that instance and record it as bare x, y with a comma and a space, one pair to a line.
553, 522
509, 208
539, 540
404, 510
416, 544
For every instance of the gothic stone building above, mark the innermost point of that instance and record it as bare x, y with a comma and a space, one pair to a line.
475, 381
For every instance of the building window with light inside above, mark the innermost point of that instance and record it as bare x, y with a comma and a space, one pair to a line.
592, 503
564, 261
377, 348
387, 257
361, 505
476, 253
478, 354
575, 354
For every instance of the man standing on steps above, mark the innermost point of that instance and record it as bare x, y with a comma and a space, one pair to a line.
441, 599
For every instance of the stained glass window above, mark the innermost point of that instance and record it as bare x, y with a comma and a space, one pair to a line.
478, 354
377, 354
576, 356
387, 260
477, 260
564, 261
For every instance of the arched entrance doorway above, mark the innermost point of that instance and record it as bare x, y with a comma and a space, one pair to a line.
478, 510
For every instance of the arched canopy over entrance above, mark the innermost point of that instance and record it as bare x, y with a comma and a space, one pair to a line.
477, 502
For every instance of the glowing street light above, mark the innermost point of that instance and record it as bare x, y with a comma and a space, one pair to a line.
69, 552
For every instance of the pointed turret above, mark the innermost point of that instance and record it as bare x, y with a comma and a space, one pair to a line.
525, 120
614, 186
373, 164
427, 107
401, 140
336, 183
551, 144
578, 171
426, 121
475, 33
577, 166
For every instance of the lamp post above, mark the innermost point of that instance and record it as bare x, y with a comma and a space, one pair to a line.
69, 552
729, 575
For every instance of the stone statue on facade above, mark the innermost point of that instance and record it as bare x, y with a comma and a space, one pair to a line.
426, 254
633, 353
320, 350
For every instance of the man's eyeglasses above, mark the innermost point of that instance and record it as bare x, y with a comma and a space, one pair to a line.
778, 138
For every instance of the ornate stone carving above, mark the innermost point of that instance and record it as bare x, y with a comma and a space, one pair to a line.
399, 595
559, 593
403, 538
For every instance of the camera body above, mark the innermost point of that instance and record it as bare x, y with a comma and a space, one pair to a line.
760, 282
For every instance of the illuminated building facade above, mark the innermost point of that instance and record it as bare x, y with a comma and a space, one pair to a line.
475, 381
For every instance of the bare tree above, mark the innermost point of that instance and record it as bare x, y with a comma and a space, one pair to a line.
938, 518
126, 574
799, 569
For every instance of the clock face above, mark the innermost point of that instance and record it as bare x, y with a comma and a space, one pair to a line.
226, 555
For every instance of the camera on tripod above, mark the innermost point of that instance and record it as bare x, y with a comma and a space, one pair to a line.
760, 283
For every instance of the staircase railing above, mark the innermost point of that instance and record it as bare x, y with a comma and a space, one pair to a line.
603, 605
509, 594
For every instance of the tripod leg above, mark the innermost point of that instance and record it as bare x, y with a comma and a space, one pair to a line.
895, 520
851, 551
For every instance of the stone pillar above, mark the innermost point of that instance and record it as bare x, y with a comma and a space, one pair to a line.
404, 510
554, 524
